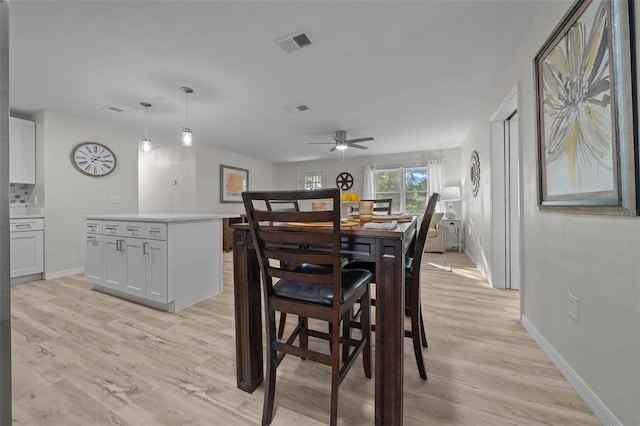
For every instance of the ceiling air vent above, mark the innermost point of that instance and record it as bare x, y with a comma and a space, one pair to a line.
298, 108
295, 42
110, 108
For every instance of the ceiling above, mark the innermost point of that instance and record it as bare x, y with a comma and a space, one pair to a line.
411, 74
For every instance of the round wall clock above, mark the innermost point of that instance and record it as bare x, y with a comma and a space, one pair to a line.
344, 180
474, 173
93, 159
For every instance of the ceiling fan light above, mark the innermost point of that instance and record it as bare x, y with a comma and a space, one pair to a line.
341, 146
146, 144
187, 137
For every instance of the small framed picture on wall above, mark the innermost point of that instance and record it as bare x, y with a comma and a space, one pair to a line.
233, 181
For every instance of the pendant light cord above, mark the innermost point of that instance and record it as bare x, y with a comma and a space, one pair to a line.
186, 95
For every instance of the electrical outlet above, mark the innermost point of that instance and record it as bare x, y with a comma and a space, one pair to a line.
574, 307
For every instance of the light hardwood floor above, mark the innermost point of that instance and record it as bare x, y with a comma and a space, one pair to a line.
84, 358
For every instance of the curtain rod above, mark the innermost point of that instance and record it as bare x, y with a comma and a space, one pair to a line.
394, 166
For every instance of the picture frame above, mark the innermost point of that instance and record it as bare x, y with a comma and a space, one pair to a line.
233, 182
585, 112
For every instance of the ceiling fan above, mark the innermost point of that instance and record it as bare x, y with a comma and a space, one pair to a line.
342, 143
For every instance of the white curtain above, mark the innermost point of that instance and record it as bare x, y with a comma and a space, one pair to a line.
369, 183
435, 176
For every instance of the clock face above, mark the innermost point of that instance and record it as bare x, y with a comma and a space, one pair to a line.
93, 159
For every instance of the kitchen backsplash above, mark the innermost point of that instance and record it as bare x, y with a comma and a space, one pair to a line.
20, 195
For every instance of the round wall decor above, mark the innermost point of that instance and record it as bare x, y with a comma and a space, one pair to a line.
344, 180
93, 159
474, 173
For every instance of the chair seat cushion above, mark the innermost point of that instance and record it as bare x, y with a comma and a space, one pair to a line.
312, 268
369, 266
352, 281
432, 233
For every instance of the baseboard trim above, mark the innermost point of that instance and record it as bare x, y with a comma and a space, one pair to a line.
64, 273
601, 411
480, 267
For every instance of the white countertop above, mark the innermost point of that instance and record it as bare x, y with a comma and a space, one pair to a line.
26, 216
162, 217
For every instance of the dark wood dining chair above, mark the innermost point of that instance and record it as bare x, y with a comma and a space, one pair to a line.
413, 305
381, 205
307, 289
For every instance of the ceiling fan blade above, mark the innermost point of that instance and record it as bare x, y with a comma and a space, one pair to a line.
332, 149
353, 145
360, 140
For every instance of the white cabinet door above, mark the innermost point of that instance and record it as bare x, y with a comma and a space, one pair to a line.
115, 263
27, 253
135, 282
22, 151
94, 270
156, 270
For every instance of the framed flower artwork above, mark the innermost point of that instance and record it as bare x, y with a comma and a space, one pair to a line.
585, 112
233, 182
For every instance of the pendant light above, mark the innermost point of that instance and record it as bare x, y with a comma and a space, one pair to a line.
187, 134
146, 142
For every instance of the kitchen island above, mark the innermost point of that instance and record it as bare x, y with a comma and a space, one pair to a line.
167, 261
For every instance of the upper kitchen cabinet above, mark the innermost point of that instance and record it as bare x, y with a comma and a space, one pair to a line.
22, 151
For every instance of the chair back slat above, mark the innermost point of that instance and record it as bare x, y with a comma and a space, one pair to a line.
293, 216
291, 237
279, 245
297, 256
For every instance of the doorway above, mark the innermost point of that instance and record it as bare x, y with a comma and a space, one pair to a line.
511, 202
506, 271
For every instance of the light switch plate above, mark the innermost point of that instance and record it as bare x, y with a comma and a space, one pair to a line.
116, 199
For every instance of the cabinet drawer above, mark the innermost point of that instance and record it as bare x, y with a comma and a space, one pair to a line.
113, 228
124, 229
94, 226
134, 229
17, 225
156, 231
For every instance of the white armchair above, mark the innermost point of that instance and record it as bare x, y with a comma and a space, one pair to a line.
435, 235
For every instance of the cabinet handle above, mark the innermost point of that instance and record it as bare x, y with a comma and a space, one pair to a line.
145, 249
23, 226
120, 245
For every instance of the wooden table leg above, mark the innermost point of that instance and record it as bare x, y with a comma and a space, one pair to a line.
248, 312
389, 333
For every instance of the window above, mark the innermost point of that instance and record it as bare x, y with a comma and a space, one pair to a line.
407, 187
312, 180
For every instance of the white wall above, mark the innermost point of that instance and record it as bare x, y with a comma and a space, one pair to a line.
69, 195
167, 180
288, 173
262, 176
196, 172
592, 257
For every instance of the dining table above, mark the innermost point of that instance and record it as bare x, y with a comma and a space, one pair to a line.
387, 248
